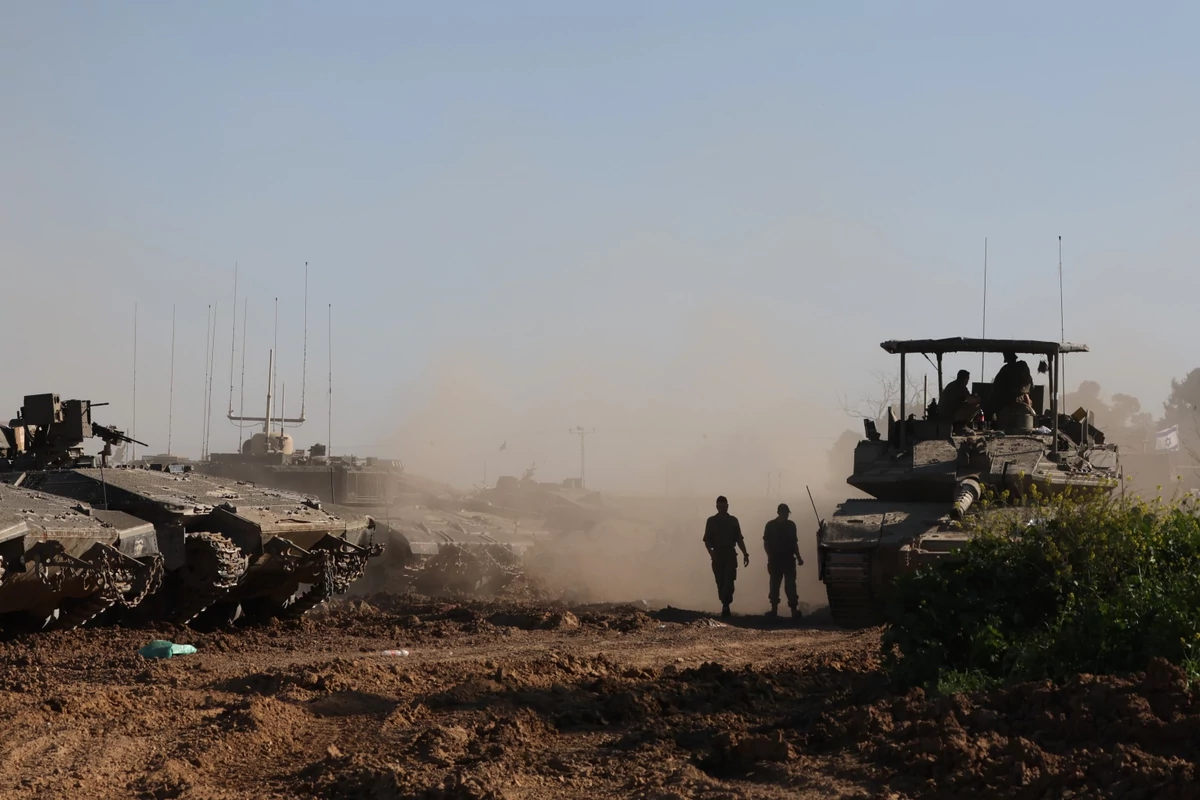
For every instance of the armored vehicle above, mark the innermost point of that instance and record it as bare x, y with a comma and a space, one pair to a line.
237, 549
79, 537
935, 461
64, 564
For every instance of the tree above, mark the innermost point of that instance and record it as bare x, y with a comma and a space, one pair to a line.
885, 395
1183, 409
1121, 417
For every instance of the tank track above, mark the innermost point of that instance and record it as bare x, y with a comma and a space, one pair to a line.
214, 566
146, 583
852, 601
853, 606
334, 564
319, 592
108, 579
77, 613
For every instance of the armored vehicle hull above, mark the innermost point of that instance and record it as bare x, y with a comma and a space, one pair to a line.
926, 477
233, 549
65, 564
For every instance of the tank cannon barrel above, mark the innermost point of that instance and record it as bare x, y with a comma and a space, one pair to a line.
967, 493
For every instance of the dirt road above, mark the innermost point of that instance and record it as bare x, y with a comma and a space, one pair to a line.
534, 701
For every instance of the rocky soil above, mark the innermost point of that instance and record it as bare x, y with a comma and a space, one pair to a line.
534, 700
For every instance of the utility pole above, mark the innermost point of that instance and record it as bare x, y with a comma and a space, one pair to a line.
579, 431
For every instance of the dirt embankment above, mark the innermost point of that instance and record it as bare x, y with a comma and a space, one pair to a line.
535, 700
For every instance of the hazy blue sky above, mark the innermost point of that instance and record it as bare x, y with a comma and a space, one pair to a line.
665, 220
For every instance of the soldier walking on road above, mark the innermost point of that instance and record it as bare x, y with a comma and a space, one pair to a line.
722, 534
783, 554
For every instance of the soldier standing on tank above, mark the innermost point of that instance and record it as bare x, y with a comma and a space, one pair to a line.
722, 534
783, 555
1012, 385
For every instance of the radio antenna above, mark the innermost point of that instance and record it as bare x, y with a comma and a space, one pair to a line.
1062, 330
304, 362
329, 406
329, 411
814, 504
983, 356
212, 361
204, 425
133, 426
171, 391
274, 376
233, 336
242, 400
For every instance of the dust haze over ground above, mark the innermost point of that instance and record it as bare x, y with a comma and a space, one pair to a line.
724, 413
713, 414
656, 555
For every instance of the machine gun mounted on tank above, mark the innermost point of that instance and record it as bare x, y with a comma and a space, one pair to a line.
49, 433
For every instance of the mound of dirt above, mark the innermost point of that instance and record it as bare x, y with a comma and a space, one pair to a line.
505, 699
1135, 737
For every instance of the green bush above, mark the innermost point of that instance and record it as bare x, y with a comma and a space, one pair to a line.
1065, 586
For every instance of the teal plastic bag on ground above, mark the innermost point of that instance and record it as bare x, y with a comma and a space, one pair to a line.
160, 648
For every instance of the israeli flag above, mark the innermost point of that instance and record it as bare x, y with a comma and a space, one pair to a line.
1168, 439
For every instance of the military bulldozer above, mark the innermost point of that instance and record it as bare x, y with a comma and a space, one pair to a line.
926, 473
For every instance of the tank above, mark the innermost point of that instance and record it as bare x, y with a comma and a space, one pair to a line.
236, 549
430, 530
65, 564
926, 473
82, 540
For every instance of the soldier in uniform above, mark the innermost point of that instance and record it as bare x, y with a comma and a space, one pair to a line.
957, 404
1012, 385
722, 534
783, 555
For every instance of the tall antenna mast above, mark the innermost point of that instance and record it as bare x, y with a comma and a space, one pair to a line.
171, 392
212, 360
304, 362
329, 406
133, 431
204, 425
983, 356
266, 418
579, 431
233, 336
273, 377
1062, 330
269, 418
242, 400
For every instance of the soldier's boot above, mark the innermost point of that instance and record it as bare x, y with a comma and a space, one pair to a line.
774, 612
725, 612
795, 613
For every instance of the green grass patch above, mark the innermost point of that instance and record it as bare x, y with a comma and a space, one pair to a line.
1062, 587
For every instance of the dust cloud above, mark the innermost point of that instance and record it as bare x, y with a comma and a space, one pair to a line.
673, 428
660, 558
